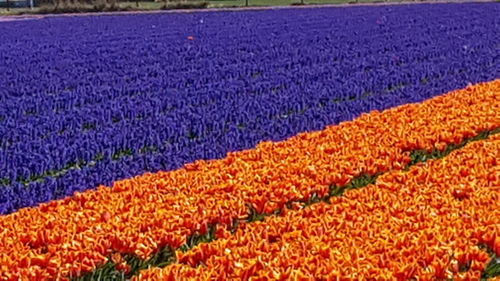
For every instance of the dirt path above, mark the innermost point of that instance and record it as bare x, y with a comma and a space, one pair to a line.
256, 8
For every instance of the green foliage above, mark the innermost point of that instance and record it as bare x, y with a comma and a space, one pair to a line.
162, 258
254, 215
197, 238
493, 267
82, 8
5, 181
424, 155
357, 182
186, 5
109, 271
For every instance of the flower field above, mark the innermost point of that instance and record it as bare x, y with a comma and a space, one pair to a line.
352, 143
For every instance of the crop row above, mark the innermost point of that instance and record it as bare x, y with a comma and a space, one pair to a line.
126, 266
426, 223
144, 214
107, 109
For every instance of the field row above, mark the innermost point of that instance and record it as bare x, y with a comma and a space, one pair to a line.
130, 95
427, 223
144, 214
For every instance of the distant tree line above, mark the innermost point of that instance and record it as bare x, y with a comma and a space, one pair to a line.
68, 6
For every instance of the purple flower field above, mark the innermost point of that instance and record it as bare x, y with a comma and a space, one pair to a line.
85, 101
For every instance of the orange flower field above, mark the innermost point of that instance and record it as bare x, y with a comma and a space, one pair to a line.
424, 222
